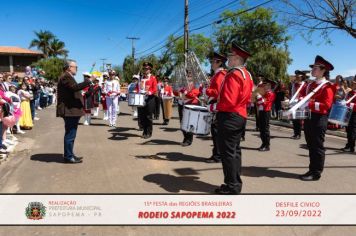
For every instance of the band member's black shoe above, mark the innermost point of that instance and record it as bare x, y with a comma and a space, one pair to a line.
72, 161
185, 144
310, 176
165, 123
348, 149
264, 149
224, 189
295, 137
212, 160
78, 158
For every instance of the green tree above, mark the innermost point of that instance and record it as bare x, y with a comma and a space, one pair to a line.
49, 44
197, 43
259, 33
52, 66
129, 69
42, 42
154, 60
57, 48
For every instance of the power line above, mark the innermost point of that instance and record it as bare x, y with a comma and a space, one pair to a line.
181, 36
204, 26
225, 18
133, 46
163, 41
200, 17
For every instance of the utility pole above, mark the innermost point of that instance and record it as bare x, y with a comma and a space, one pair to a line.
133, 46
186, 33
103, 59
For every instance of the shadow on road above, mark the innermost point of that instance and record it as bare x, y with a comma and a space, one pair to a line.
122, 136
48, 157
249, 148
273, 136
172, 156
174, 184
93, 124
251, 130
124, 114
254, 171
166, 129
122, 129
191, 171
160, 142
204, 137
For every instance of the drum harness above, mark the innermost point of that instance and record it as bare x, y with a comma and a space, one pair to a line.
232, 70
296, 93
305, 99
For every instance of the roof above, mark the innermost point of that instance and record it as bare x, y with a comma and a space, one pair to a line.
17, 50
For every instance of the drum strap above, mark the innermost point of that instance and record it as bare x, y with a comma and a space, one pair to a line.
348, 101
305, 99
296, 94
231, 70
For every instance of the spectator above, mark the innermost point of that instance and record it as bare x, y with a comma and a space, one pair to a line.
26, 118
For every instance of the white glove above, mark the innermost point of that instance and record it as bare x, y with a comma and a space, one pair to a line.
343, 102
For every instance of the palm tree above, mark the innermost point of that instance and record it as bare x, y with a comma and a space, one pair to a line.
57, 48
42, 41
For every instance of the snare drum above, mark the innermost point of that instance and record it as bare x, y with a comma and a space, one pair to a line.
136, 99
196, 120
340, 114
296, 115
167, 107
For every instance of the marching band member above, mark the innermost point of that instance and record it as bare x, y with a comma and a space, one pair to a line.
190, 97
260, 82
265, 98
103, 96
299, 85
166, 91
217, 62
117, 78
96, 97
158, 99
132, 88
351, 128
112, 91
315, 128
233, 98
148, 86
88, 99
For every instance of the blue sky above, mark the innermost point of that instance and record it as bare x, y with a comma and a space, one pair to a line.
95, 29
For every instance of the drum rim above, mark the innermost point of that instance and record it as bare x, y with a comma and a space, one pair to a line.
195, 108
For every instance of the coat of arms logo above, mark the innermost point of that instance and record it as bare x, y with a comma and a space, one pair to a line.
35, 211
